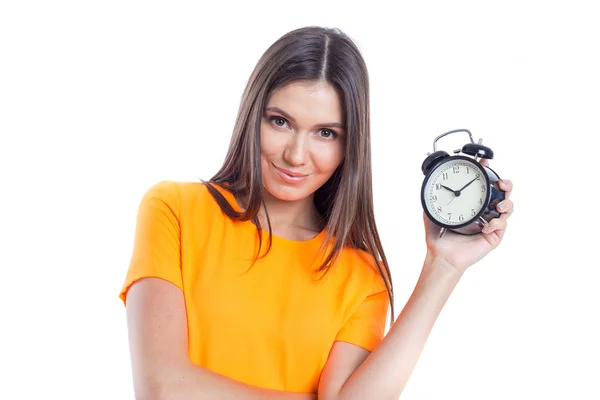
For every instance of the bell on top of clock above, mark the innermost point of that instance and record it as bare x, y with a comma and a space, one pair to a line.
459, 193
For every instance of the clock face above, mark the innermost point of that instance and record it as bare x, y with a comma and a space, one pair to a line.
456, 191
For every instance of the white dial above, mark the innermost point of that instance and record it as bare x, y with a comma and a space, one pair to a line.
455, 192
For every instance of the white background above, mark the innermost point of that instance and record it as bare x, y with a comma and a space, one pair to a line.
100, 100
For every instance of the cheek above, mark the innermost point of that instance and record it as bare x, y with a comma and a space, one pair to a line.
269, 146
328, 158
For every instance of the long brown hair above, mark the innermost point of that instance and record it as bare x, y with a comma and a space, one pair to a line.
345, 201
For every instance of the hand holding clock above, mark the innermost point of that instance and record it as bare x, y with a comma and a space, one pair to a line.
462, 251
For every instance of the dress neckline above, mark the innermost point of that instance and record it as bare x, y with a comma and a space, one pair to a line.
318, 238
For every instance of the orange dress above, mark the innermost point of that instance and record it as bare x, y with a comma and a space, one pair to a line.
271, 325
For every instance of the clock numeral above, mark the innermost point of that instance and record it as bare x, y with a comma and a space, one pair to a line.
480, 201
461, 218
439, 209
467, 170
455, 169
434, 198
473, 211
449, 216
478, 177
438, 186
445, 175
482, 188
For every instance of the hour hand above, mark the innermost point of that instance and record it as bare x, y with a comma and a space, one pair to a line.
447, 188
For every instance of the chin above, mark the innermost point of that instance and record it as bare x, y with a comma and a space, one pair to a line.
283, 193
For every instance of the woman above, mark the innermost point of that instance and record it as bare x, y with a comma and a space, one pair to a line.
270, 281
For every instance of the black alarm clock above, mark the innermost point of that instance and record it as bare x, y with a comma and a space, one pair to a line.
459, 193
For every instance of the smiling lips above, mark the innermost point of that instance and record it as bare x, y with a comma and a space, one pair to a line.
289, 176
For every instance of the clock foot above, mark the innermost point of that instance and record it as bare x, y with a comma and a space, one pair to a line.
442, 232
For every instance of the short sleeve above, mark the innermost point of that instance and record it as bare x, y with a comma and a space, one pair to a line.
157, 245
366, 326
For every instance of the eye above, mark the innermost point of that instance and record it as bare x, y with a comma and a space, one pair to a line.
278, 121
328, 133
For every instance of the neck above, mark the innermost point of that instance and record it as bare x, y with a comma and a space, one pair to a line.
290, 214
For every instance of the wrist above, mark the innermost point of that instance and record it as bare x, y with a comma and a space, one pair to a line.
441, 266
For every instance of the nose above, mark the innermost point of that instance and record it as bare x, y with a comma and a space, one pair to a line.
296, 151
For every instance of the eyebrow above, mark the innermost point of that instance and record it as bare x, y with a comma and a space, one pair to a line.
288, 116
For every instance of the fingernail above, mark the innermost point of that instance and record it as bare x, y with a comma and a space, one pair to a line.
501, 206
506, 181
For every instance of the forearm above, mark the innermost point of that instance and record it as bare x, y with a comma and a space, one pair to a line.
192, 382
385, 372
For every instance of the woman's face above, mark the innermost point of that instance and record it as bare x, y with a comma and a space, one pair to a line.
302, 139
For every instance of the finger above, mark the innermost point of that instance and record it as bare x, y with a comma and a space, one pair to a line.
497, 225
484, 161
431, 229
505, 207
506, 186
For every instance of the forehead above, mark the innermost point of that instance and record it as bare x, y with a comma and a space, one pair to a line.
308, 102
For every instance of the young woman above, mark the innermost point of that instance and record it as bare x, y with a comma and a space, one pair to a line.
269, 281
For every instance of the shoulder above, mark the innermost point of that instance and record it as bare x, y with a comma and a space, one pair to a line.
165, 190
163, 197
185, 194
364, 266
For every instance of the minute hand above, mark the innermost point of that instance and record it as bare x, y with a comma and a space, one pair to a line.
462, 188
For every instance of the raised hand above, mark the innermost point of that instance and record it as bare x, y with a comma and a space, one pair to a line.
462, 251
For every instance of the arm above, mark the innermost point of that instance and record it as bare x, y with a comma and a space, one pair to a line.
353, 373
157, 325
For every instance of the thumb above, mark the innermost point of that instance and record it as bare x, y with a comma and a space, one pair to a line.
432, 231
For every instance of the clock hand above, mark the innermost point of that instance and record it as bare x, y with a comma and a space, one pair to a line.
456, 192
447, 188
462, 188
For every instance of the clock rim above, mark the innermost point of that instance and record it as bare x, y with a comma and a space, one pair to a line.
483, 207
